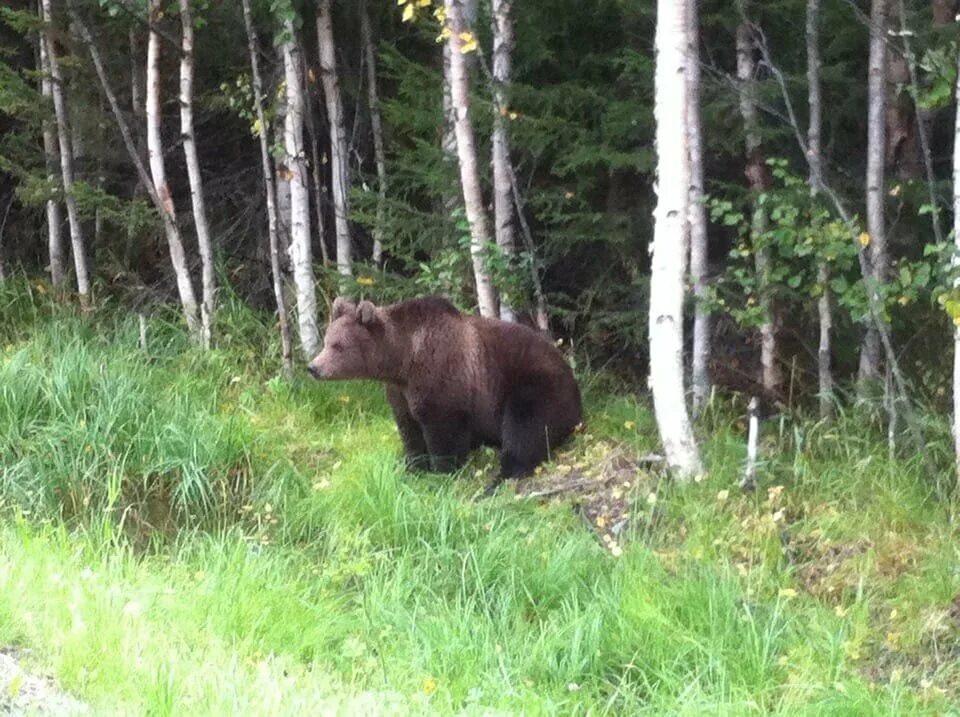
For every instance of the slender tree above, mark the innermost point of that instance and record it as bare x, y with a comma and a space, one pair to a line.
878, 265
77, 244
448, 139
376, 128
670, 240
264, 133
155, 151
815, 162
204, 243
700, 373
301, 253
317, 185
340, 166
956, 263
758, 177
54, 217
502, 168
467, 158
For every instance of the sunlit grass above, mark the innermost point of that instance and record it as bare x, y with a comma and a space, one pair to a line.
187, 534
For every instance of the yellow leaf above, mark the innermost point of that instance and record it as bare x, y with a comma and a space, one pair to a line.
257, 128
13, 689
787, 593
895, 190
429, 686
310, 76
469, 42
629, 425
366, 280
344, 398
401, 2
723, 495
440, 13
423, 3
864, 239
408, 12
514, 115
444, 34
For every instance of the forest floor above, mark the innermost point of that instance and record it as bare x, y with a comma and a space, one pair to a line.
186, 533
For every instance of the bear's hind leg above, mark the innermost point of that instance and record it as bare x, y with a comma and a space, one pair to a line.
414, 444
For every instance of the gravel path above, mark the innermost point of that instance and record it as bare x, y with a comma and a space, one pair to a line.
24, 693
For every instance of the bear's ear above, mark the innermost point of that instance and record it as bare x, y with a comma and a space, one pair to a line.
366, 313
340, 308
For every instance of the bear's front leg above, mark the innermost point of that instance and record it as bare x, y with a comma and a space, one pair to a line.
449, 441
414, 445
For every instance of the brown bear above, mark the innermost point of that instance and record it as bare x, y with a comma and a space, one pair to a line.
455, 381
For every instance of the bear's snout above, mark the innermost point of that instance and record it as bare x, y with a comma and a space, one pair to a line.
314, 370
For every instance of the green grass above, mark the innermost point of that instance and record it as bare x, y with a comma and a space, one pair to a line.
184, 533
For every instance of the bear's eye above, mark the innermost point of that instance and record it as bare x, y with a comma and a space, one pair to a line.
337, 347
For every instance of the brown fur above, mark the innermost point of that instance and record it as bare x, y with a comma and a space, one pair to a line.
456, 381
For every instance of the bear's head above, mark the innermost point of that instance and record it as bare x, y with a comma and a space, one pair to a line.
355, 344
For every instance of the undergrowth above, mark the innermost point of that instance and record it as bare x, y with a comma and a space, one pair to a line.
186, 533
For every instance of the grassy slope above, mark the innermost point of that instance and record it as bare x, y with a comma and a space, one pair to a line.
186, 535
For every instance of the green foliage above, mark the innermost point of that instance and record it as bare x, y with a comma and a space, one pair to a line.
336, 581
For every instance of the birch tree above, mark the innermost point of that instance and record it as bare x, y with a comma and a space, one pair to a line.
376, 128
301, 253
340, 167
55, 247
448, 140
878, 264
208, 279
158, 173
815, 162
502, 167
77, 244
956, 262
759, 179
265, 163
670, 240
700, 373
467, 157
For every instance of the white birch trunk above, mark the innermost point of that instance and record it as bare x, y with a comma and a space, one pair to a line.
376, 127
815, 161
204, 243
448, 140
158, 172
756, 171
77, 243
956, 261
301, 253
700, 373
467, 156
286, 344
54, 215
670, 241
502, 170
875, 180
340, 166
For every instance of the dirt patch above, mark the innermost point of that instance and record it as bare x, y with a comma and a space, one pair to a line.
830, 571
25, 693
602, 485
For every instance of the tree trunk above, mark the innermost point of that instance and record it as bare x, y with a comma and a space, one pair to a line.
876, 230
759, 179
956, 239
157, 170
204, 244
376, 127
264, 134
54, 216
77, 243
670, 241
700, 373
502, 190
903, 147
815, 161
448, 140
467, 156
160, 198
301, 252
340, 167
